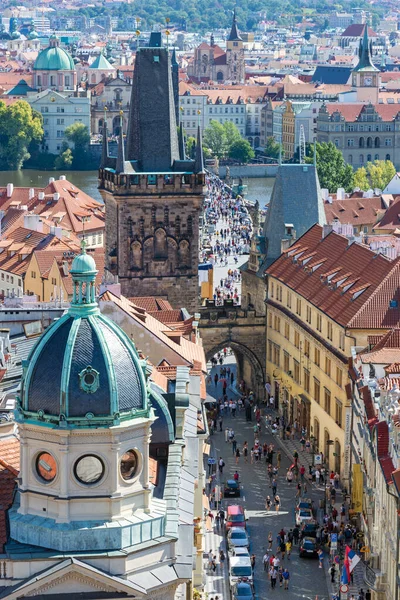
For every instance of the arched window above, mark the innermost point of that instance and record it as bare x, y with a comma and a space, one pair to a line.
369, 157
101, 124
361, 159
361, 143
369, 142
39, 80
377, 142
220, 76
387, 157
350, 159
376, 157
256, 142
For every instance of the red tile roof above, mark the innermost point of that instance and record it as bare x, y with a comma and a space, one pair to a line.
360, 275
382, 441
357, 30
370, 411
354, 211
391, 218
351, 111
386, 350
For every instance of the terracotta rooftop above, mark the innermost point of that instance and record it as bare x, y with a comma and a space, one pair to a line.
385, 460
351, 111
385, 351
348, 282
354, 211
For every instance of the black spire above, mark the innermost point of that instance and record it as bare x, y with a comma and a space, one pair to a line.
199, 161
175, 83
234, 34
364, 53
182, 153
152, 141
120, 166
104, 146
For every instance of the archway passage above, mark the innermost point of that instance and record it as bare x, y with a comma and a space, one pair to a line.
248, 370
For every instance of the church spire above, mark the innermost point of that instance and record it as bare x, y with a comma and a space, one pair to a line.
175, 83
365, 62
104, 147
121, 149
234, 34
199, 160
182, 153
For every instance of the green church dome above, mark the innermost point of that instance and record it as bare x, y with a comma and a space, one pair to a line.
54, 58
83, 263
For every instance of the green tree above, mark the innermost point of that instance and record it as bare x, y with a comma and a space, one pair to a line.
232, 133
215, 139
332, 170
241, 150
380, 172
361, 179
78, 134
272, 148
19, 126
190, 145
65, 158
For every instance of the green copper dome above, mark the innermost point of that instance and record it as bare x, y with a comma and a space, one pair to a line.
84, 370
54, 58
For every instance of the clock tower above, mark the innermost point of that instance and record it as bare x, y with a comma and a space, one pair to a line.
365, 76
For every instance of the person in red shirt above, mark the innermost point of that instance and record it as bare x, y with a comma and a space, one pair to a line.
236, 476
302, 472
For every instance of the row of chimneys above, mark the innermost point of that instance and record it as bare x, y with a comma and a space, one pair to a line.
56, 196
341, 195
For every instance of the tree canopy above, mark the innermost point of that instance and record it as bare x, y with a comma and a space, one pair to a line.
272, 148
224, 140
333, 172
376, 174
19, 126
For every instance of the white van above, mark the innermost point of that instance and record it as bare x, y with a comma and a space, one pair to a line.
240, 568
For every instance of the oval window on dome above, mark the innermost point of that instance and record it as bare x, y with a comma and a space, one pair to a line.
89, 469
129, 465
89, 380
46, 467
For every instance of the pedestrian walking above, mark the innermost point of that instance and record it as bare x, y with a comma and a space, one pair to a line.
274, 485
288, 549
332, 573
245, 452
320, 558
270, 540
268, 503
280, 575
234, 446
237, 454
253, 562
286, 577
221, 465
278, 460
222, 559
282, 548
266, 561
273, 575
296, 535
317, 476
277, 503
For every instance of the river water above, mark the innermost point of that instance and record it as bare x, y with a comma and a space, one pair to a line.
257, 189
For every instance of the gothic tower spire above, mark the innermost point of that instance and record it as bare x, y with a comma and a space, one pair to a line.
175, 83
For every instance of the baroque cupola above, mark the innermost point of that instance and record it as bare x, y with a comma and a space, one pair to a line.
85, 423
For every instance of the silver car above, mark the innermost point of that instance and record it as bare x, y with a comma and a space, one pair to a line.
237, 537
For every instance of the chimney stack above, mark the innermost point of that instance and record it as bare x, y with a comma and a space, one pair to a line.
10, 189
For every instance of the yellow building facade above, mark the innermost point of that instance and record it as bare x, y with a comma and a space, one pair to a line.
288, 130
307, 367
48, 284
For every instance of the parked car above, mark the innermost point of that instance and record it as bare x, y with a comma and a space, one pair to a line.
237, 536
304, 515
309, 530
308, 547
304, 503
232, 489
240, 569
242, 591
238, 551
235, 516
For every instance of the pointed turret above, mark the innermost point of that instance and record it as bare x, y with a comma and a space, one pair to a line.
104, 147
365, 62
152, 140
175, 83
234, 34
120, 166
182, 153
212, 41
199, 160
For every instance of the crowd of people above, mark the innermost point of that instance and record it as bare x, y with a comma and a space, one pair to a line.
228, 232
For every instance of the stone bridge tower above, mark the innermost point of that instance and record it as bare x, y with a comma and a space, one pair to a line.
152, 192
